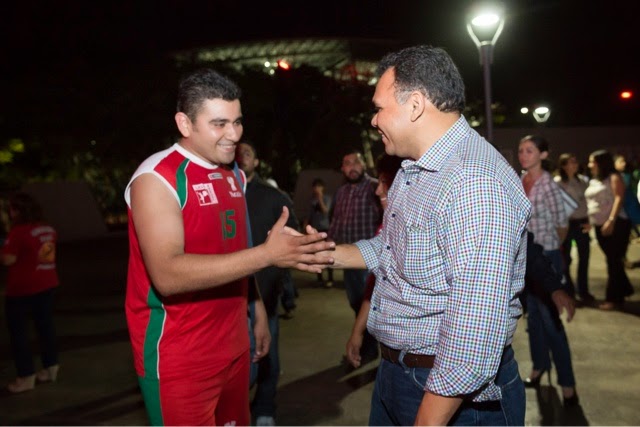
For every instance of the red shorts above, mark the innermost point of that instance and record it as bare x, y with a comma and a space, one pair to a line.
220, 398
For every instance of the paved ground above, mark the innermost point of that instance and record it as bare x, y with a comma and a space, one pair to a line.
97, 384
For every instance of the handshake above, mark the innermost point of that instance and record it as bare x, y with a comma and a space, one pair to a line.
288, 248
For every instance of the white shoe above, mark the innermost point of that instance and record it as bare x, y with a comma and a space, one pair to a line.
48, 374
265, 420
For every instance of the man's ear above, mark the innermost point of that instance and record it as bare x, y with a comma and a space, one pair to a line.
256, 162
544, 155
418, 104
183, 123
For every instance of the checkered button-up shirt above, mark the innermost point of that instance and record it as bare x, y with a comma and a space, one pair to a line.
356, 211
450, 262
547, 212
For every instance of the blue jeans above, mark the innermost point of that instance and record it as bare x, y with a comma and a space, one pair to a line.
399, 390
583, 244
265, 373
546, 333
355, 282
18, 310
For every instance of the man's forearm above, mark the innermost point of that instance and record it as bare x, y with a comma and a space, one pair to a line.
436, 410
348, 256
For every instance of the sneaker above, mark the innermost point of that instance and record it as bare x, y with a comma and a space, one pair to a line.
265, 420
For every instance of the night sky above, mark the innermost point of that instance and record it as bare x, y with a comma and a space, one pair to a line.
575, 56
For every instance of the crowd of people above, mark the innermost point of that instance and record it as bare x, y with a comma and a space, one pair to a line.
443, 247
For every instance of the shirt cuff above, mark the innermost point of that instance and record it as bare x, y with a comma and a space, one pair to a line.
368, 252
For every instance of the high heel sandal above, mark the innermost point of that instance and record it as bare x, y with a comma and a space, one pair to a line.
21, 384
49, 374
534, 382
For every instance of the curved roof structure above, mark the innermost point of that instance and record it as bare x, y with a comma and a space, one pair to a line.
343, 59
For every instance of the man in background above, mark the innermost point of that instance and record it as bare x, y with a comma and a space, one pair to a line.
356, 214
265, 203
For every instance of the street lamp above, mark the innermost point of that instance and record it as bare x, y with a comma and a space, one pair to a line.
484, 24
541, 114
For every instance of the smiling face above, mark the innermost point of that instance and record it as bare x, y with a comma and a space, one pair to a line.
391, 118
216, 131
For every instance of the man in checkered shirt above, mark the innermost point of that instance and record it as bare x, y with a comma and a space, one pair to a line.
450, 259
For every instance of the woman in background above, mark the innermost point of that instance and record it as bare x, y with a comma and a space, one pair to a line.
575, 184
605, 201
549, 227
30, 254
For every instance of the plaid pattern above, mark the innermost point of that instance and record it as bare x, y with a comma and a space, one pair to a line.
356, 212
450, 262
547, 212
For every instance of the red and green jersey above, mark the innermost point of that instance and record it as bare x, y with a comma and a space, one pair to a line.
189, 333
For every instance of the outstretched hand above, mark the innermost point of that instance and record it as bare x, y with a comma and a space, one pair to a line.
290, 249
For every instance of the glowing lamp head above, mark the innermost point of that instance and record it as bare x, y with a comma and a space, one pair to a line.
626, 94
283, 64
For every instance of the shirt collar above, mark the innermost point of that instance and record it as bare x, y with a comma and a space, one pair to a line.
439, 152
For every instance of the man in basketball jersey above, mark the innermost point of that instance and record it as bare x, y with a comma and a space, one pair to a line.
190, 255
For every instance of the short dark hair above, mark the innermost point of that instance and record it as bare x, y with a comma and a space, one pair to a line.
352, 150
251, 145
203, 84
429, 70
539, 141
27, 208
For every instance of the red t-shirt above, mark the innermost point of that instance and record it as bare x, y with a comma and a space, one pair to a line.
34, 246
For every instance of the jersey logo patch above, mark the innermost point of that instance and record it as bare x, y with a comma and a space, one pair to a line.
234, 190
215, 175
205, 193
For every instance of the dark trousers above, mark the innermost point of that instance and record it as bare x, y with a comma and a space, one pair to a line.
267, 374
18, 311
289, 291
583, 244
615, 250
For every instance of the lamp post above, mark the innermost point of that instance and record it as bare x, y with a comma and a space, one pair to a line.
541, 114
484, 24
